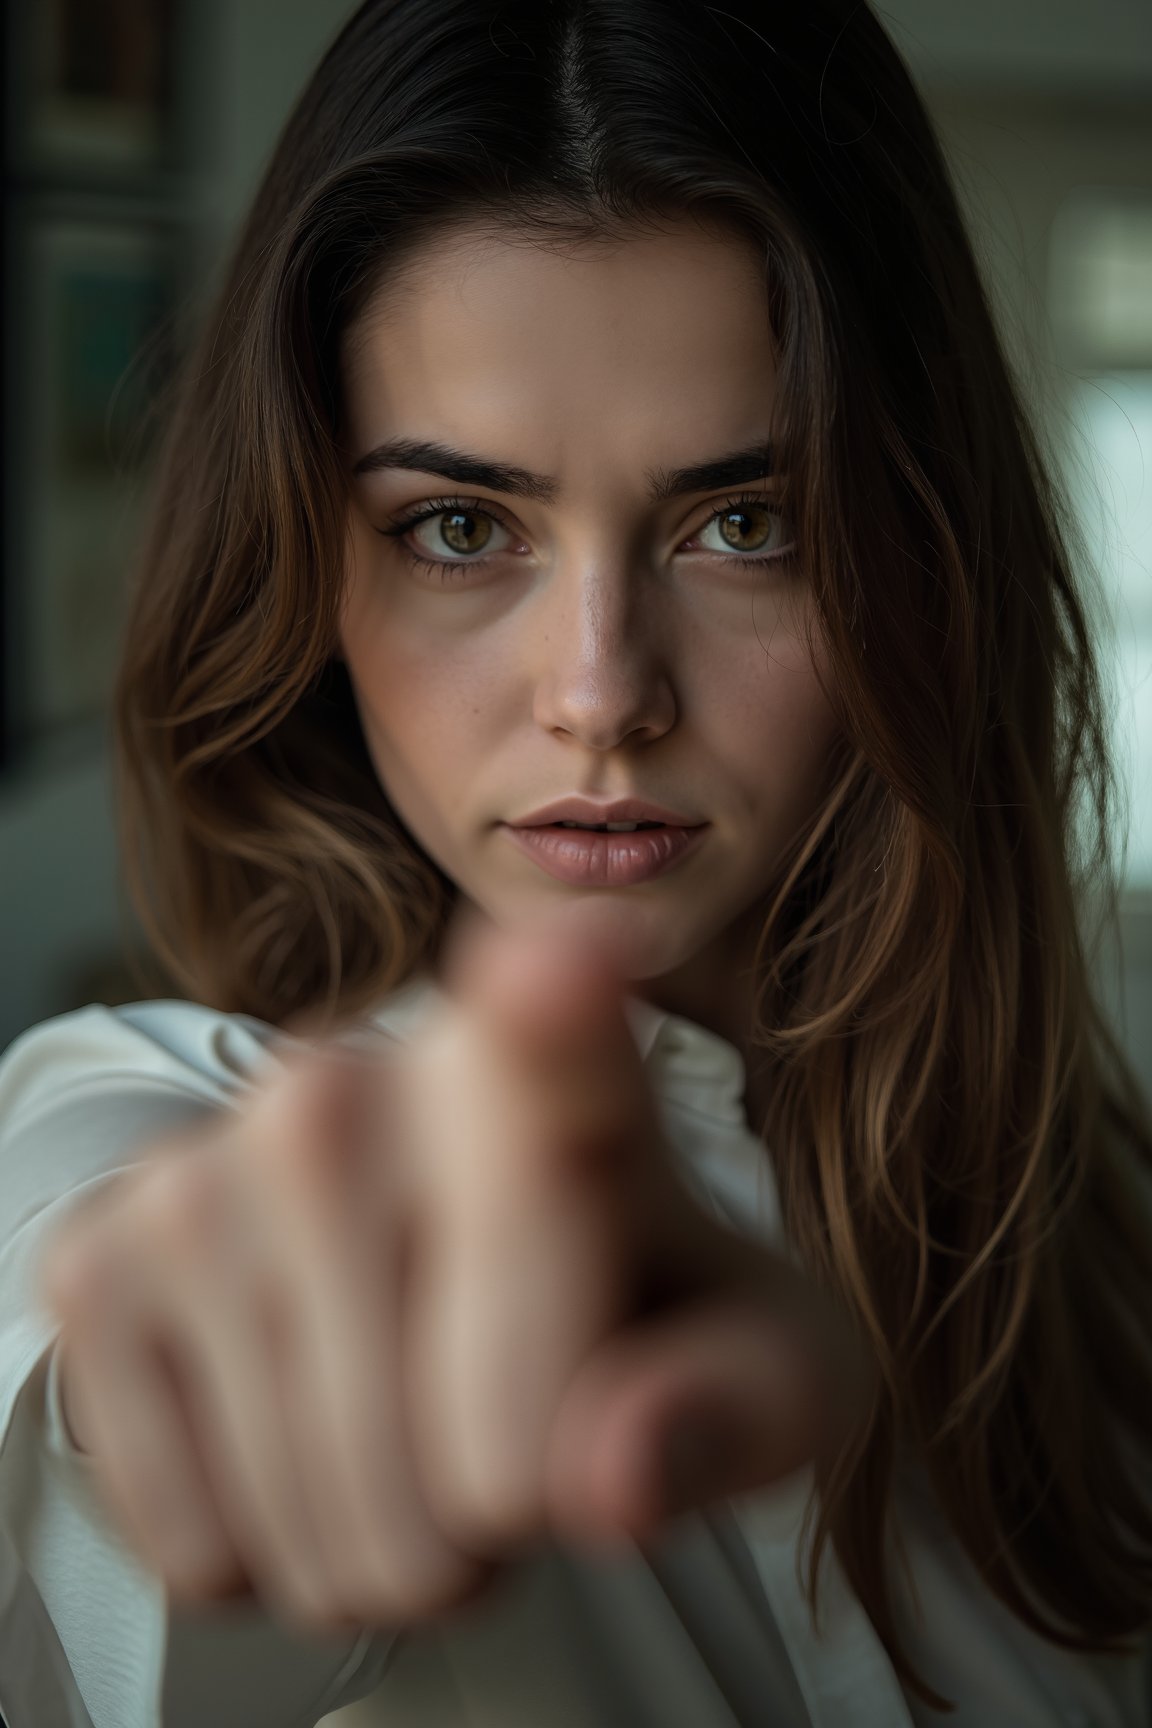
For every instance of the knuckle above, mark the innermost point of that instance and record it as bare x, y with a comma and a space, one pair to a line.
77, 1268
405, 1587
438, 1589
199, 1572
177, 1202
286, 1571
174, 1524
288, 1134
82, 1252
480, 1507
295, 1598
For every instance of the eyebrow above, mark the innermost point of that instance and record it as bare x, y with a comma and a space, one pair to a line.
425, 457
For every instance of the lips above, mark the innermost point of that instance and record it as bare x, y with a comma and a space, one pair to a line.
590, 860
592, 814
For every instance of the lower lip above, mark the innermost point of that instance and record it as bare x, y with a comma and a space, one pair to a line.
590, 860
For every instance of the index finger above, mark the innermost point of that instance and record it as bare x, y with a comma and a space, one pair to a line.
548, 1005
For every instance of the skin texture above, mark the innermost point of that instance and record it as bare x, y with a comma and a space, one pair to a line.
604, 646
351, 1345
355, 1342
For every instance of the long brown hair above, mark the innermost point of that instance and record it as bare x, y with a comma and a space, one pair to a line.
959, 1141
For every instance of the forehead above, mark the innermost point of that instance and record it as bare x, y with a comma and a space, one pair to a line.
483, 332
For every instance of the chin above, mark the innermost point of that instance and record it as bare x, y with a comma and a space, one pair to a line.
641, 940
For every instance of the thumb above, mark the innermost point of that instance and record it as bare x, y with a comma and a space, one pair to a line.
687, 1408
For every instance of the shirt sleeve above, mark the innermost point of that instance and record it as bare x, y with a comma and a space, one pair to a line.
84, 1632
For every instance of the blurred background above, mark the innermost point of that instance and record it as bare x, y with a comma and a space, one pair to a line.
134, 134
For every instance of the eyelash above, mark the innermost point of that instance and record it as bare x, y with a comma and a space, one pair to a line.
475, 506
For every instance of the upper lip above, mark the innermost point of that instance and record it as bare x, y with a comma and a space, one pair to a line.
584, 810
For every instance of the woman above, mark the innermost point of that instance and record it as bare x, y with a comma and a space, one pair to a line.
753, 529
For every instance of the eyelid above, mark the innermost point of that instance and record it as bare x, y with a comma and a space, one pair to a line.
432, 507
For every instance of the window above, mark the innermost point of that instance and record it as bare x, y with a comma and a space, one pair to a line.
1100, 299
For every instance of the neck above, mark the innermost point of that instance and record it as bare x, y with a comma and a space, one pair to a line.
715, 989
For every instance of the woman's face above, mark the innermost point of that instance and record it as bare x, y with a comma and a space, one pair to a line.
589, 631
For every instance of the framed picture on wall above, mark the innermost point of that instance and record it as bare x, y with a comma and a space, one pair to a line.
96, 308
98, 85
97, 219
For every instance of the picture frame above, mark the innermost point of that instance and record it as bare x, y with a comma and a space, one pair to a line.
95, 301
97, 90
98, 217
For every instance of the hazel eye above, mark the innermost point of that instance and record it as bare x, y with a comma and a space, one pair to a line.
461, 531
751, 527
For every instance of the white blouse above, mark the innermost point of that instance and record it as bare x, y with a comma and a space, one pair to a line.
706, 1628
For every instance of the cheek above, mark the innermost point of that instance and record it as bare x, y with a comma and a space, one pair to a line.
424, 706
427, 705
777, 727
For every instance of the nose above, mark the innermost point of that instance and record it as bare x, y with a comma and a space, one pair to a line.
604, 677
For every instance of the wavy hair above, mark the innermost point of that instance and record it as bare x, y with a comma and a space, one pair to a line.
960, 1144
